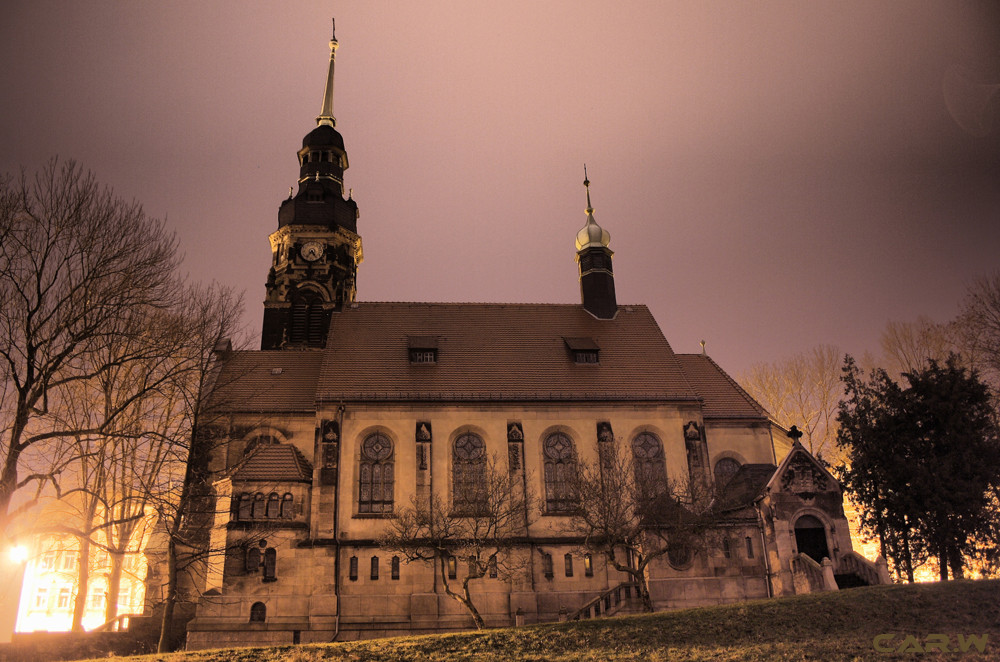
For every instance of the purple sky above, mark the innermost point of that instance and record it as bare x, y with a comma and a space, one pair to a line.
774, 175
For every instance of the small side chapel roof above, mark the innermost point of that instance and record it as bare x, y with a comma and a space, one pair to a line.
745, 486
275, 463
723, 397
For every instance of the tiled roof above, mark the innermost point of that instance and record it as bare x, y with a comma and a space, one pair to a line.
269, 380
745, 486
723, 397
279, 463
497, 352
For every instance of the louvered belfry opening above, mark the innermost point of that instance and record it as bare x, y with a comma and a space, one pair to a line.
308, 323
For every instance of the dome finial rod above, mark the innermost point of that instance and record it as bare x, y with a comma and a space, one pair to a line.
586, 183
326, 114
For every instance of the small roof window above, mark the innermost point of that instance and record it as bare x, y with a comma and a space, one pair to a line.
422, 349
583, 350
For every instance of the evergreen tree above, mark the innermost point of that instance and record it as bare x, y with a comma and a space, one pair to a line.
923, 462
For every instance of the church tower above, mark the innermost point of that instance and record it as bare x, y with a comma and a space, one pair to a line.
316, 250
597, 281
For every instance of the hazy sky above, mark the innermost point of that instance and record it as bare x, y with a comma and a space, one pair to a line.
774, 175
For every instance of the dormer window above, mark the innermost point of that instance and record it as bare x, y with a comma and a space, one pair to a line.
583, 350
422, 349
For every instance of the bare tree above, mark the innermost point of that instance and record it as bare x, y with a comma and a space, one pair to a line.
802, 390
907, 346
633, 515
73, 260
189, 426
979, 328
480, 530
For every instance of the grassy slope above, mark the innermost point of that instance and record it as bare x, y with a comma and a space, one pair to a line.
826, 626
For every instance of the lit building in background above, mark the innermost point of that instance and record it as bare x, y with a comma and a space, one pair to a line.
51, 580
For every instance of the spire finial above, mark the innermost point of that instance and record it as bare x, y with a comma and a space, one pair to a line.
586, 183
326, 114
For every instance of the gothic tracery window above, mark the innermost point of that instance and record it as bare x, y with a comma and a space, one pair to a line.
650, 465
560, 471
469, 474
375, 491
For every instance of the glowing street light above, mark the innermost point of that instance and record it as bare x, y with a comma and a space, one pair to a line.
18, 553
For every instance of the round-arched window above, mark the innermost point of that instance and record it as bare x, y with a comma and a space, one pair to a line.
258, 612
469, 474
650, 465
376, 480
560, 472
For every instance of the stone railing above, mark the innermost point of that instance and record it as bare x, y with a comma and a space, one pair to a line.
869, 572
809, 576
605, 602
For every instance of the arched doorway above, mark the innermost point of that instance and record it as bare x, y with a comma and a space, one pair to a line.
810, 538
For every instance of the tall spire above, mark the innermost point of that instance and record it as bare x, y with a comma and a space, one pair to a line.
592, 234
326, 115
597, 282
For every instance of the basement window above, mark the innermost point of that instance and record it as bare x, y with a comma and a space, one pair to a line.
422, 349
583, 350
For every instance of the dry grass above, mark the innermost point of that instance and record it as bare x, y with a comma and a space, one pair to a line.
826, 626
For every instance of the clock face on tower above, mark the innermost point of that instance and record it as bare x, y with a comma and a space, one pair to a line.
311, 251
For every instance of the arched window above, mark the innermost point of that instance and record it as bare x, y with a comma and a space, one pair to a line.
253, 559
547, 565
353, 569
568, 562
287, 506
307, 322
727, 550
452, 567
246, 506
376, 476
560, 471
469, 474
270, 564
650, 465
273, 506
394, 567
588, 565
374, 574
725, 469
258, 612
259, 506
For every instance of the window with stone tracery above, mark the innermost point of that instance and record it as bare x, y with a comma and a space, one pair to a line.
376, 479
650, 464
560, 472
469, 474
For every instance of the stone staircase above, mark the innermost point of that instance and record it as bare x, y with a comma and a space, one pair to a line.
623, 598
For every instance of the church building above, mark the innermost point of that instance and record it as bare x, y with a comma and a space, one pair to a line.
352, 410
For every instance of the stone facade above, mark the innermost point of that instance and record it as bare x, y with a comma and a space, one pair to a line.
327, 435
